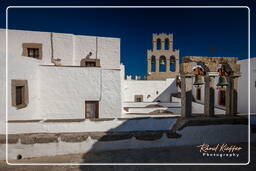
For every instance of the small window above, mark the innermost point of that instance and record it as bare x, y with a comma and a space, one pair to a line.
222, 97
91, 109
19, 93
90, 64
198, 93
33, 50
138, 98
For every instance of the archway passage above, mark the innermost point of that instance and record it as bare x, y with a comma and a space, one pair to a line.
162, 64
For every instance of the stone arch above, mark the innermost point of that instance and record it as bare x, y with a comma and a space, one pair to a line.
166, 44
162, 63
158, 44
153, 63
172, 64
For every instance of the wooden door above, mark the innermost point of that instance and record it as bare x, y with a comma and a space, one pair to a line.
91, 109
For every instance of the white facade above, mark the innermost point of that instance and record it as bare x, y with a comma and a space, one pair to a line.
243, 86
152, 90
60, 92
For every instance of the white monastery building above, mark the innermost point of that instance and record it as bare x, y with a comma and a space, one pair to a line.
66, 76
60, 76
60, 87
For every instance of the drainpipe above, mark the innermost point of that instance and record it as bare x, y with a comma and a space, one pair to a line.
51, 46
96, 48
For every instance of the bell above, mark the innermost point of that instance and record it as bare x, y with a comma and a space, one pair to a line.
162, 62
198, 80
222, 81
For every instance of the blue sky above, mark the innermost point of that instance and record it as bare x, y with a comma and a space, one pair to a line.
195, 31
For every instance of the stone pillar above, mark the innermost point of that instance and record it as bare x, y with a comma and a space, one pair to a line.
231, 96
186, 96
149, 65
170, 45
157, 64
162, 44
209, 96
233, 100
177, 66
168, 65
154, 45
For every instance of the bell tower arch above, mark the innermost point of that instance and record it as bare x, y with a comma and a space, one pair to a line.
162, 45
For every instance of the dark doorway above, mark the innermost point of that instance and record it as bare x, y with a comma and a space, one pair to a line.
91, 109
222, 97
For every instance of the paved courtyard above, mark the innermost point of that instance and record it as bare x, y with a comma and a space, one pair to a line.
180, 154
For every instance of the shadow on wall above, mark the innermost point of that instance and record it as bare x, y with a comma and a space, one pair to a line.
155, 146
165, 96
136, 146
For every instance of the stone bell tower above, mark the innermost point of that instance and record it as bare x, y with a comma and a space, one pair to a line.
162, 60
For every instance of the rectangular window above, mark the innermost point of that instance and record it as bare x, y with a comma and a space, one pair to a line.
138, 98
19, 93
91, 109
90, 64
33, 52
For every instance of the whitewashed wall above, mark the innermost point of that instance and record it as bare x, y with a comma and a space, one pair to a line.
243, 86
67, 47
2, 81
149, 87
48, 85
64, 90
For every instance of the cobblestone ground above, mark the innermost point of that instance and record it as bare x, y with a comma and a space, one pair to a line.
163, 155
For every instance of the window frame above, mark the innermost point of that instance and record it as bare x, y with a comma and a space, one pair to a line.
97, 109
24, 94
27, 46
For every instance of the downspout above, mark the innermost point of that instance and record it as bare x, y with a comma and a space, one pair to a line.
96, 55
96, 47
51, 46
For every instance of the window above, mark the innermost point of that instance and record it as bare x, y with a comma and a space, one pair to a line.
138, 98
90, 62
222, 97
33, 50
91, 109
19, 93
198, 93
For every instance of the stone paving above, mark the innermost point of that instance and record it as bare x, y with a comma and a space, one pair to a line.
163, 155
